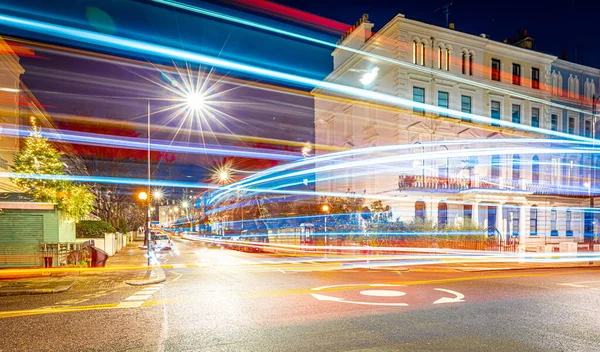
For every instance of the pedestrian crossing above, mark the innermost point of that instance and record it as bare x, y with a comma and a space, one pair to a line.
138, 298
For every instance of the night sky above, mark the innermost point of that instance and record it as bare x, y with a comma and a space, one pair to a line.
73, 85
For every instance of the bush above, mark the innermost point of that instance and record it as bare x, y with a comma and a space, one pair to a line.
93, 229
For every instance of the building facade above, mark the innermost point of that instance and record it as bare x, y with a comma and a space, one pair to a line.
539, 198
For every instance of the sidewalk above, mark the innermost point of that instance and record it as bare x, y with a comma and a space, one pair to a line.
35, 286
129, 256
480, 267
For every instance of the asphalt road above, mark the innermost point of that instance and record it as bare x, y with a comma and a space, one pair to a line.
235, 301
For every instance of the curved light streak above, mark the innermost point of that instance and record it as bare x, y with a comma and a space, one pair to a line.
420, 68
146, 48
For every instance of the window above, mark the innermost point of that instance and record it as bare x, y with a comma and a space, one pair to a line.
443, 101
470, 64
571, 129
495, 70
419, 97
440, 57
495, 173
442, 215
516, 168
535, 170
588, 129
415, 51
448, 61
495, 112
535, 78
464, 62
554, 121
533, 224
420, 210
516, 113
422, 54
553, 218
516, 74
568, 223
468, 211
535, 117
465, 106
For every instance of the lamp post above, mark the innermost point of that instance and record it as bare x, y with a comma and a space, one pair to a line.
592, 205
143, 196
325, 209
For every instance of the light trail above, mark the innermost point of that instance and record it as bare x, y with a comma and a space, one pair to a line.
156, 50
135, 143
420, 68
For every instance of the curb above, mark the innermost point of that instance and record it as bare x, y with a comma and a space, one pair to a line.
160, 277
530, 268
36, 291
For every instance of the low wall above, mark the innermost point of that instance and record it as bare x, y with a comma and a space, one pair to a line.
111, 243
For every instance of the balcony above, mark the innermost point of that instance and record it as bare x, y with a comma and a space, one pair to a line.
458, 184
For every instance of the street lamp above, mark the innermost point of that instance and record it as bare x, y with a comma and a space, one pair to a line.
325, 209
143, 196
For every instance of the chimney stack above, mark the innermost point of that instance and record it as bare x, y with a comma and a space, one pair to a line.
563, 55
451, 26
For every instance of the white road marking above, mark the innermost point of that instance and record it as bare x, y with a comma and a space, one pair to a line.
129, 304
459, 297
137, 297
382, 293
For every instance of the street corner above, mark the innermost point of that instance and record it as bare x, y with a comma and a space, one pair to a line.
151, 277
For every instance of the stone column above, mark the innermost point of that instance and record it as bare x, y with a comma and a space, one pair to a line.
475, 213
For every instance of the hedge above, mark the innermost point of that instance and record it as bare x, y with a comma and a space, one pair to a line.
93, 229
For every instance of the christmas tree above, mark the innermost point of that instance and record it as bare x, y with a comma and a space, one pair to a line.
39, 168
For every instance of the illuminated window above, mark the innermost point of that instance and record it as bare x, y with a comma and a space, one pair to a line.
516, 168
465, 106
535, 78
442, 215
495, 70
415, 51
443, 101
516, 74
495, 165
448, 61
568, 223
420, 210
419, 97
535, 170
423, 54
471, 64
516, 113
553, 220
535, 117
495, 112
533, 222
571, 129
440, 57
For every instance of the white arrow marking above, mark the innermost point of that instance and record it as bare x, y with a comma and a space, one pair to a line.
459, 297
341, 300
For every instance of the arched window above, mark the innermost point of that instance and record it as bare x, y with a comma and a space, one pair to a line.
533, 222
442, 215
423, 53
568, 223
420, 210
535, 170
471, 56
464, 62
415, 51
495, 168
440, 57
553, 219
516, 168
448, 60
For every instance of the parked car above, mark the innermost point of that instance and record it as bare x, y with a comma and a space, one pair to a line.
160, 242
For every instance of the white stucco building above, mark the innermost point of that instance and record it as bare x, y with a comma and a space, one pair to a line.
538, 198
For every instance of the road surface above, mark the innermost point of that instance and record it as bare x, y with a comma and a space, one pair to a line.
222, 300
